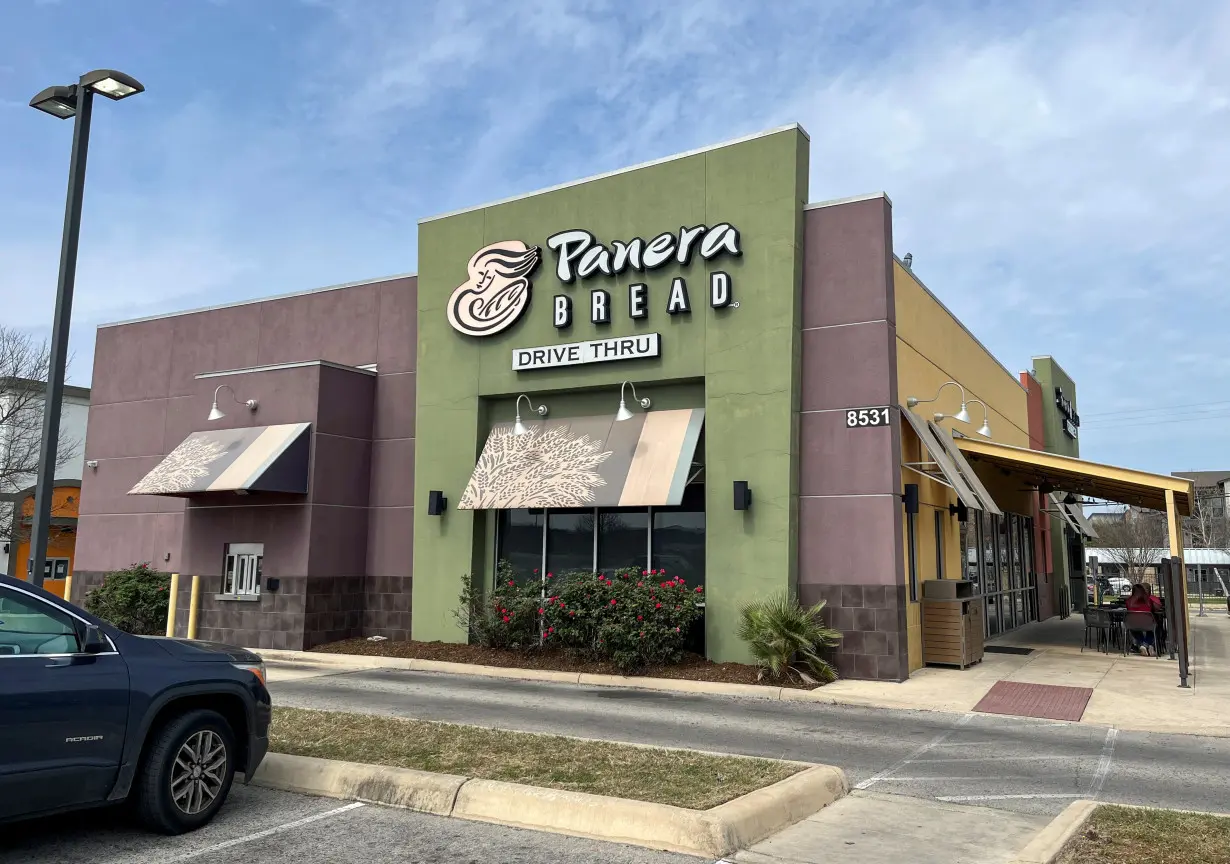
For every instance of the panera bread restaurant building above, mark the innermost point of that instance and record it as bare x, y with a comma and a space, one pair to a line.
681, 365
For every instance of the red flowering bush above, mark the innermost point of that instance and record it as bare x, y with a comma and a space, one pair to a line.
506, 617
632, 617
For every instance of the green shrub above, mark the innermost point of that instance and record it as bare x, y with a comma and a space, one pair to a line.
633, 618
134, 600
506, 617
784, 636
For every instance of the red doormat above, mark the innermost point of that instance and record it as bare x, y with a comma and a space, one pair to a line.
1045, 701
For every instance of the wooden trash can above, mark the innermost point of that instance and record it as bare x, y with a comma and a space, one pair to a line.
952, 623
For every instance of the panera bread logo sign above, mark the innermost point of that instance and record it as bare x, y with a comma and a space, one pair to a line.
498, 290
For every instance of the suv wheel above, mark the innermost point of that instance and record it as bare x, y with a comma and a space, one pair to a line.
186, 773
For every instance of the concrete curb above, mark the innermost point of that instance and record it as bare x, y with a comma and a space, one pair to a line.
710, 833
583, 679
825, 695
1049, 842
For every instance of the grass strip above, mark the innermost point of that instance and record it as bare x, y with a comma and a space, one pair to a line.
1114, 835
681, 778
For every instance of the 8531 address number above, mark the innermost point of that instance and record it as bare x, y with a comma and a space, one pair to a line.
860, 417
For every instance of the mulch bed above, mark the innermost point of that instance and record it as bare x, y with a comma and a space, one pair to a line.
693, 667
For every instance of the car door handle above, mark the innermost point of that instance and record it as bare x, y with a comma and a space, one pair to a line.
74, 660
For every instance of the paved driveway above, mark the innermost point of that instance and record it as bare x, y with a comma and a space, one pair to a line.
1028, 766
259, 826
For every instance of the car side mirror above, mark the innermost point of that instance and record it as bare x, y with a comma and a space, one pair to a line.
93, 643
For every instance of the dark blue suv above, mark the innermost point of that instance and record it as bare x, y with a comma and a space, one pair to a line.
91, 716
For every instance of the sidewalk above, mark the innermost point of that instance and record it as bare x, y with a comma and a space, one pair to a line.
1134, 693
871, 828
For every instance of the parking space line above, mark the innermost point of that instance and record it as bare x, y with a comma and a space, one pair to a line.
1030, 758
965, 799
259, 835
934, 742
939, 778
1108, 754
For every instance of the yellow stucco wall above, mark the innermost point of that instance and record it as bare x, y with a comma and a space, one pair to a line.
932, 348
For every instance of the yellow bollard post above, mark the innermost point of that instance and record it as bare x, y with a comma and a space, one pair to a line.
172, 602
68, 587
194, 606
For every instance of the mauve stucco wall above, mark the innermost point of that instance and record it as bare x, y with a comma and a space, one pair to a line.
146, 399
850, 552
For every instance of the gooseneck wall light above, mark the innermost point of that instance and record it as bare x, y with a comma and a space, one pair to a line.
962, 415
519, 428
64, 101
985, 429
623, 413
216, 413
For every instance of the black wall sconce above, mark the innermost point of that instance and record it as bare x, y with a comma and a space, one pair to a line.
272, 585
743, 495
960, 511
436, 502
910, 497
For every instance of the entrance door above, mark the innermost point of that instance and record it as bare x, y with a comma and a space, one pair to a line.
63, 714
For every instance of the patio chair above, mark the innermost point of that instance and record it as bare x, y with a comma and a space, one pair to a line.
1098, 622
1143, 622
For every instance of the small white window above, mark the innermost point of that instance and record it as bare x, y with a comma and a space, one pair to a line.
241, 569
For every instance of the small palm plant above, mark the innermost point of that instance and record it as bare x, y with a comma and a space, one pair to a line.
786, 638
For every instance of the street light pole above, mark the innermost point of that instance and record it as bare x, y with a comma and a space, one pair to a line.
53, 400
76, 101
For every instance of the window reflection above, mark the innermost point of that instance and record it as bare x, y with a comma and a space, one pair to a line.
520, 541
623, 540
679, 537
570, 540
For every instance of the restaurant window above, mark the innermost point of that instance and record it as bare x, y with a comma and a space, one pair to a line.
986, 564
570, 540
607, 539
1002, 564
939, 544
911, 531
679, 537
623, 540
241, 569
519, 541
969, 549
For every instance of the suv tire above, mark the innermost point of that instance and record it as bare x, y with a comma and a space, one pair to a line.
186, 773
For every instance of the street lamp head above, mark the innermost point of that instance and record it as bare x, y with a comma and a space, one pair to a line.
57, 101
112, 84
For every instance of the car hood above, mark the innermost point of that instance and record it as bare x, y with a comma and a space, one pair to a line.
197, 650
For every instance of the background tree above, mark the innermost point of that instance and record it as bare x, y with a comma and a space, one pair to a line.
23, 360
1134, 542
1208, 527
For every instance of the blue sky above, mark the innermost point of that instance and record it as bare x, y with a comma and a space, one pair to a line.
1057, 168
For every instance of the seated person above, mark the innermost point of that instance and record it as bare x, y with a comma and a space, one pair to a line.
1141, 600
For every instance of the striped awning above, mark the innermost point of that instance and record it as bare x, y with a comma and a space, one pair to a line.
252, 459
645, 460
945, 440
950, 473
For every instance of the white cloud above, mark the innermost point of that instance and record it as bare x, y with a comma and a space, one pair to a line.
1056, 169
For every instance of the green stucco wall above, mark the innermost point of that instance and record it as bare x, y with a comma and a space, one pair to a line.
744, 360
1050, 375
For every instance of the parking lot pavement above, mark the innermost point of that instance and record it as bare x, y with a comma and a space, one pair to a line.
1010, 763
260, 826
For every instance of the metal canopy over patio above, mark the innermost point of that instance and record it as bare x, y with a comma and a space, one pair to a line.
1048, 472
1051, 472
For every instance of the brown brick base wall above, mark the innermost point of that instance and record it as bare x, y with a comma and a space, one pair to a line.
386, 607
872, 622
